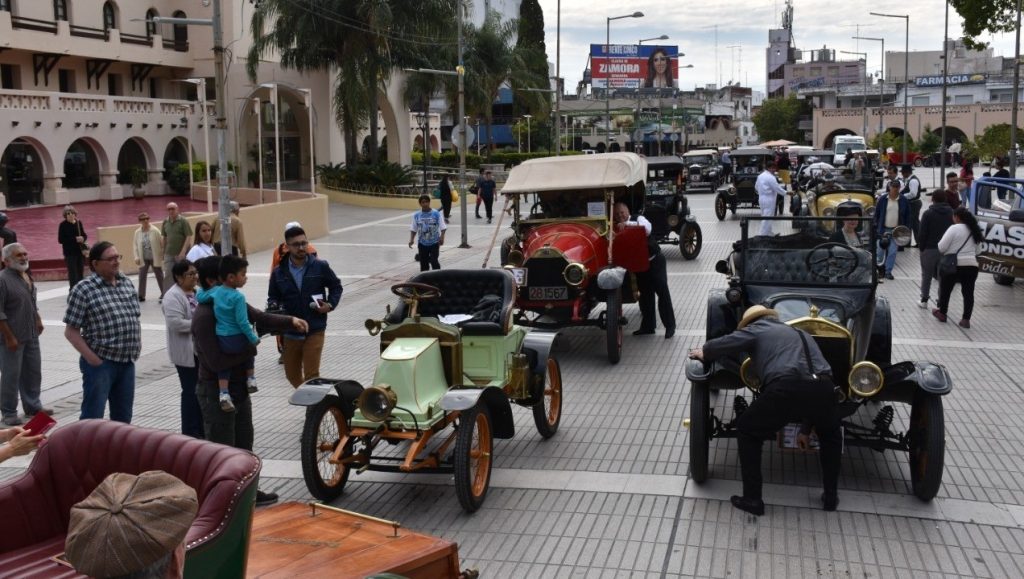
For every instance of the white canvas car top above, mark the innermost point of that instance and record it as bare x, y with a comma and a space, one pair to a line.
700, 152
577, 172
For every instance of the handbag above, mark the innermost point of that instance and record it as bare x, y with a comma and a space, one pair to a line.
83, 245
947, 263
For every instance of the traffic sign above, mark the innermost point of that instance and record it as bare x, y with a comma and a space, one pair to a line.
638, 135
457, 134
674, 137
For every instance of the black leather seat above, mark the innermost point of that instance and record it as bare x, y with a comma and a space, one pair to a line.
461, 290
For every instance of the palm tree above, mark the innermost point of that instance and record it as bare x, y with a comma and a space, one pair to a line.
360, 41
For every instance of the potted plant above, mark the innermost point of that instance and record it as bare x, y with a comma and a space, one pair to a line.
138, 177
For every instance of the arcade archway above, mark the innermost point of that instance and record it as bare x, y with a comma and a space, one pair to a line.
21, 174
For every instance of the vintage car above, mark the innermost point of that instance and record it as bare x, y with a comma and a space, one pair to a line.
808, 163
450, 356
567, 256
747, 164
828, 290
667, 209
999, 206
703, 171
824, 198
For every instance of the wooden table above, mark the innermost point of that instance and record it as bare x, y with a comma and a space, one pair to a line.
300, 540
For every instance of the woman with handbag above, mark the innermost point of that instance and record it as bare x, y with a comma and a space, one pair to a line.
71, 236
959, 263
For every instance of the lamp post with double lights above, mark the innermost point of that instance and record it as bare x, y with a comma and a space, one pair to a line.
307, 99
863, 82
906, 71
528, 145
880, 90
636, 121
607, 75
200, 84
257, 106
277, 136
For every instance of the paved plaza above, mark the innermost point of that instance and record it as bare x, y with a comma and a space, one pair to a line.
609, 495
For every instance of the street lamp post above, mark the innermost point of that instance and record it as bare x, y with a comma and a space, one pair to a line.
607, 76
906, 72
528, 146
258, 105
277, 136
636, 122
945, 77
864, 84
880, 90
200, 84
185, 109
307, 98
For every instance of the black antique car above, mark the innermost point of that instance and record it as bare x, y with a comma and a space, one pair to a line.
747, 163
667, 209
828, 290
805, 160
703, 171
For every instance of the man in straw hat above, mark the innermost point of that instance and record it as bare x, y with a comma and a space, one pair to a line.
796, 386
132, 526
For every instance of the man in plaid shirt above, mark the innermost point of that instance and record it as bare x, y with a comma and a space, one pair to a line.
102, 323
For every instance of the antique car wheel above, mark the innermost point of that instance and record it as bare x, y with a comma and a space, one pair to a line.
690, 240
927, 445
324, 428
720, 208
473, 448
1003, 279
506, 247
700, 436
547, 412
918, 162
613, 329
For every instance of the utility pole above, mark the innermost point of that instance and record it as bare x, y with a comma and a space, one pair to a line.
1016, 98
945, 77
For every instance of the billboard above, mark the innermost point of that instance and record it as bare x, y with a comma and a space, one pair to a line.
633, 66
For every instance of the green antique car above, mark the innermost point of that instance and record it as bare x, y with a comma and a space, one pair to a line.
450, 357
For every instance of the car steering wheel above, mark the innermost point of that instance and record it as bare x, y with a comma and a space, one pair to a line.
831, 260
411, 290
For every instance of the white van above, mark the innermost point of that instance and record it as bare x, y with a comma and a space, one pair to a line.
844, 143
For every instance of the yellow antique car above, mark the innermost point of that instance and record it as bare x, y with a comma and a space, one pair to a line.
824, 198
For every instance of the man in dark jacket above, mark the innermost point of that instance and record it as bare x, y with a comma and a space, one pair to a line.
653, 283
308, 289
230, 428
935, 221
796, 387
892, 211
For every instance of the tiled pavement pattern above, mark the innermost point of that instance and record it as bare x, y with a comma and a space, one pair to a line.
609, 495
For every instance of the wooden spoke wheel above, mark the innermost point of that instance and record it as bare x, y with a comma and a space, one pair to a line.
720, 207
324, 428
473, 457
547, 412
690, 241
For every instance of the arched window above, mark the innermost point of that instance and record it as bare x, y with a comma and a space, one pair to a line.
109, 16
5, 5
180, 33
150, 25
60, 10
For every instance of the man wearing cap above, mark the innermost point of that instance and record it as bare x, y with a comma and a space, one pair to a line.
132, 526
237, 232
768, 191
796, 386
911, 191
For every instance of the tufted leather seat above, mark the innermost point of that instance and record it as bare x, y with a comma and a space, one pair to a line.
36, 506
461, 289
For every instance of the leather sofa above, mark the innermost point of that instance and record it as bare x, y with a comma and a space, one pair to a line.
36, 506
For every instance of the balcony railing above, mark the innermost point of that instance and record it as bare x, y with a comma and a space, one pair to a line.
179, 45
56, 103
87, 32
33, 24
136, 39
51, 26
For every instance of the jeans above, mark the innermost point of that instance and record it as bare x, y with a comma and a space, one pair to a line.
428, 256
888, 256
234, 344
967, 276
75, 263
488, 203
191, 414
230, 428
915, 218
158, 272
929, 261
654, 284
20, 373
302, 358
781, 403
110, 381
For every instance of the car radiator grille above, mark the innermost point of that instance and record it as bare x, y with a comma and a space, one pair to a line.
545, 272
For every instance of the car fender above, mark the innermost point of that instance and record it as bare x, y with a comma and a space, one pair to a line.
540, 344
460, 399
928, 376
311, 392
611, 278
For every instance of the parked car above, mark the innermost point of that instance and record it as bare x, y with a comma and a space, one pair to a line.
565, 252
998, 205
913, 158
703, 171
667, 209
805, 159
825, 198
450, 356
747, 163
828, 290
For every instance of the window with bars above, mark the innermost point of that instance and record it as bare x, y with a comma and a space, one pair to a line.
60, 10
109, 16
150, 25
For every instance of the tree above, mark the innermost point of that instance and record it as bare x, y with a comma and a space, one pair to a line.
360, 42
779, 118
530, 41
982, 16
995, 141
882, 142
929, 142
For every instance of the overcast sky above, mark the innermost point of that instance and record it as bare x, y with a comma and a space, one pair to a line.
744, 24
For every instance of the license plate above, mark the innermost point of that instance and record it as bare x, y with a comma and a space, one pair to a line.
694, 178
519, 274
549, 293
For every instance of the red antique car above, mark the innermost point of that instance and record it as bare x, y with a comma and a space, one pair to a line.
567, 256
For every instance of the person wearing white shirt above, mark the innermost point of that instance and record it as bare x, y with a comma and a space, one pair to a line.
912, 191
653, 283
961, 239
768, 191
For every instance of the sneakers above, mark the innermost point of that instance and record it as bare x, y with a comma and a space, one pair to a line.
889, 276
923, 304
263, 499
250, 385
226, 405
939, 315
965, 324
12, 421
752, 506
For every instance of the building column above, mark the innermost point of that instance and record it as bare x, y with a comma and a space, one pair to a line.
109, 188
54, 192
156, 185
